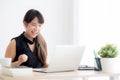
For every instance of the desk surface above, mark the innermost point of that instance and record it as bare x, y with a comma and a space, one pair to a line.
60, 75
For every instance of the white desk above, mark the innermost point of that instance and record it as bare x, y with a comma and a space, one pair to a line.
64, 75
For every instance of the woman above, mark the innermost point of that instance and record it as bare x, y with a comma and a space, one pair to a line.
29, 48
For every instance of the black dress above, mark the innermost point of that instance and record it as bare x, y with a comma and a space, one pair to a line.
23, 48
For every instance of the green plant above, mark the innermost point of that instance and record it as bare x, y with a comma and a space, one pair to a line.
108, 51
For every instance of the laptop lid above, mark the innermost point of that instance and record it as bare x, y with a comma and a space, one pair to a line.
65, 58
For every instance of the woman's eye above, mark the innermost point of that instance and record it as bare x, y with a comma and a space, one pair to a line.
33, 25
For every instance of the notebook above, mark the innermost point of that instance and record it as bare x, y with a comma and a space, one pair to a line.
65, 58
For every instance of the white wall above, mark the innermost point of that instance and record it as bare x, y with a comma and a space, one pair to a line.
58, 27
98, 23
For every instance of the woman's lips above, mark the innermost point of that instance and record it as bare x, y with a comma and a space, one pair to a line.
34, 33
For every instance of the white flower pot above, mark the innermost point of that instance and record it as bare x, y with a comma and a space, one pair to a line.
110, 65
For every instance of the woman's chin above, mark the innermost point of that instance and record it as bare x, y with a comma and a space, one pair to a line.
34, 36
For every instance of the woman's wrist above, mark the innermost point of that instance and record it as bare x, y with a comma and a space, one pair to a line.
17, 63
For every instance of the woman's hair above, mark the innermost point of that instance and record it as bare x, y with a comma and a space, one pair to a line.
42, 49
31, 14
40, 42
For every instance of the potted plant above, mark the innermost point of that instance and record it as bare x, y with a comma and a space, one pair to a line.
109, 60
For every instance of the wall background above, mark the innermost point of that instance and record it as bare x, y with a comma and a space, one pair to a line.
99, 24
58, 27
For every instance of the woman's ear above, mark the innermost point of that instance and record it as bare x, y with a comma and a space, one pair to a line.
25, 24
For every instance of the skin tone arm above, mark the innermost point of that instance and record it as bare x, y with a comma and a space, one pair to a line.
11, 53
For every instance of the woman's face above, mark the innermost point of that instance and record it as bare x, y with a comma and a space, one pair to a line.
32, 28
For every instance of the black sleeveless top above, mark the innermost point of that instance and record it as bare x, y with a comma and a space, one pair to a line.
23, 48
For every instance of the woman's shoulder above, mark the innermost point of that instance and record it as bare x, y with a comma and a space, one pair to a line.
18, 37
16, 40
12, 43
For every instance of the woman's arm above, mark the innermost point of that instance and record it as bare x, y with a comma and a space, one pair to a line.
11, 53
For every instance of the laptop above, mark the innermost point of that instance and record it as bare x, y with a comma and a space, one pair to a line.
65, 58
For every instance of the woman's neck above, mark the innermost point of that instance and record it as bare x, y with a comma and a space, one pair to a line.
27, 36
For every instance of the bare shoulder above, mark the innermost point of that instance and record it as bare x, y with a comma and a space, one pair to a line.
12, 43
11, 49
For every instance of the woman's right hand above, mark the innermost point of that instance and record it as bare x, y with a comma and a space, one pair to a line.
22, 58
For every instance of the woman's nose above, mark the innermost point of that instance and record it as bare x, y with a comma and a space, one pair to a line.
36, 28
